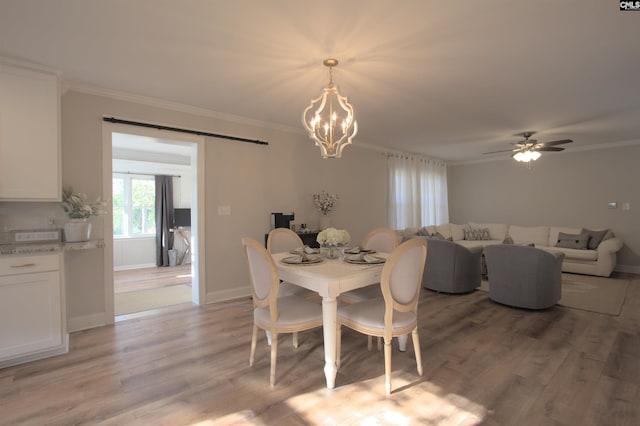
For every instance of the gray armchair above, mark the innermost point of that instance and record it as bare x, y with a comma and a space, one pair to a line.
524, 277
451, 268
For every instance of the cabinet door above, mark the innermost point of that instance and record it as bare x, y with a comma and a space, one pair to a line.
30, 314
29, 135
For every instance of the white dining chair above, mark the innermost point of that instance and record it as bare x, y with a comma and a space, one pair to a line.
384, 240
283, 240
290, 314
396, 312
380, 239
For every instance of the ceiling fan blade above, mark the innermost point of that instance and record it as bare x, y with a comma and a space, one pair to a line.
549, 148
504, 150
552, 143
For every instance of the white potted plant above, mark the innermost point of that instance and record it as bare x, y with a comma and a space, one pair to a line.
79, 209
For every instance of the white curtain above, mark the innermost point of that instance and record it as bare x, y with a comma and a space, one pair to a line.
417, 191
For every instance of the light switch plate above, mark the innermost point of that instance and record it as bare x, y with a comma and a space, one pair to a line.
612, 205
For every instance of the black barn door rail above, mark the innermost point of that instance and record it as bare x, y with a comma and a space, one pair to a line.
177, 129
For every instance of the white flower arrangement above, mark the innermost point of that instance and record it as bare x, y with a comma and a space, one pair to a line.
333, 237
325, 201
76, 205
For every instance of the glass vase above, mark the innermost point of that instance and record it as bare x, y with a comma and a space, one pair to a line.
332, 251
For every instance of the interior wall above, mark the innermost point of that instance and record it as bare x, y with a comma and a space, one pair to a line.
564, 189
253, 180
134, 253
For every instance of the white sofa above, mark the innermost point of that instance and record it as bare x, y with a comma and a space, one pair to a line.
598, 260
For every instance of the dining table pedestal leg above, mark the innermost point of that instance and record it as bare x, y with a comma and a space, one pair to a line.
329, 323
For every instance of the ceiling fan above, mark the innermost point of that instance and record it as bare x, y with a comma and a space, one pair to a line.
529, 149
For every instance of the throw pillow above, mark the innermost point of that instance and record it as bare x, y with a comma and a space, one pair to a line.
595, 237
573, 241
423, 232
484, 234
469, 234
439, 236
507, 240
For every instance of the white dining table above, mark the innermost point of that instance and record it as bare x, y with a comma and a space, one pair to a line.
329, 279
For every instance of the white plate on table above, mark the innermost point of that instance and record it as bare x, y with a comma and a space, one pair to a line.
370, 260
358, 250
307, 250
295, 260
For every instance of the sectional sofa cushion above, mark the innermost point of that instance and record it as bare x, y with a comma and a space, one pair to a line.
537, 235
498, 231
579, 255
445, 231
457, 231
573, 241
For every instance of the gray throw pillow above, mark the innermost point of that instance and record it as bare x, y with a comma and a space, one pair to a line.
573, 241
595, 238
423, 232
469, 235
507, 240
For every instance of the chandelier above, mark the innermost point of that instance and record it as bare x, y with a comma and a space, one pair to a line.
329, 119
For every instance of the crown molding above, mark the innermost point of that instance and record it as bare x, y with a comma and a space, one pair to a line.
170, 105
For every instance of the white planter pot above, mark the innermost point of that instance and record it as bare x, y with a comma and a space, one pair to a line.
77, 230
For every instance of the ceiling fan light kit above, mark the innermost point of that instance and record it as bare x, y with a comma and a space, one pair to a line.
330, 119
529, 150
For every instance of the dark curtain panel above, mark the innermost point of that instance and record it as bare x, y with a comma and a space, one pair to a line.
164, 219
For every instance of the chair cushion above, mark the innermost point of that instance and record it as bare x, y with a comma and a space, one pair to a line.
292, 310
370, 314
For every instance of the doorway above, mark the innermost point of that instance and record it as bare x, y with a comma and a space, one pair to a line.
136, 155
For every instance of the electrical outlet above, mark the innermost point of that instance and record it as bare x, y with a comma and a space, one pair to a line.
626, 206
224, 210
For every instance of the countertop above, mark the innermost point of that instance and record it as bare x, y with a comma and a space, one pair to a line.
37, 248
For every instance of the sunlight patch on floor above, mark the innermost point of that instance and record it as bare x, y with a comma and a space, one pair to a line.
410, 403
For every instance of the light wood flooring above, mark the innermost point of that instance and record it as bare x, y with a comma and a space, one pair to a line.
148, 278
483, 364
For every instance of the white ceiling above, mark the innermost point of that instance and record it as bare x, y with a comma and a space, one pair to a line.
448, 79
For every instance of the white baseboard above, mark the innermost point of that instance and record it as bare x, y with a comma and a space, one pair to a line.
631, 269
88, 321
129, 267
222, 295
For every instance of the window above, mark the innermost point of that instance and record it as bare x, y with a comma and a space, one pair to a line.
134, 200
417, 192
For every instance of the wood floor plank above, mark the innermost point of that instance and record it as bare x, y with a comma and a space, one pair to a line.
484, 363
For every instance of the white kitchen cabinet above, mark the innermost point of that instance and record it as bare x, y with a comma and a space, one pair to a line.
32, 314
29, 134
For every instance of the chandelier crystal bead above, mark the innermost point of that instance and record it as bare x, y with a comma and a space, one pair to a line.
330, 119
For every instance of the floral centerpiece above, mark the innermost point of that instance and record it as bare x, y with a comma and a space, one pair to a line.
332, 242
79, 209
325, 202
